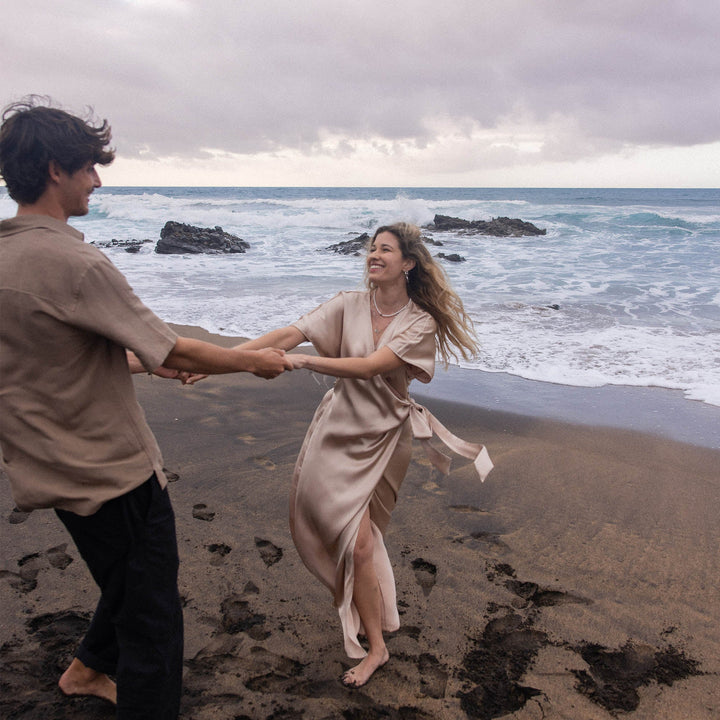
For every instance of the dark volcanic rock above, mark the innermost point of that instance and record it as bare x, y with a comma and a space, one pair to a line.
130, 246
350, 247
453, 257
358, 245
180, 239
499, 227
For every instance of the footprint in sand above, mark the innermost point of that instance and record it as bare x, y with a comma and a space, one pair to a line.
259, 671
468, 509
543, 597
17, 516
218, 552
26, 578
411, 631
200, 512
500, 569
57, 557
433, 678
170, 475
532, 593
17, 581
268, 552
433, 487
251, 588
264, 462
237, 616
29, 567
481, 536
425, 573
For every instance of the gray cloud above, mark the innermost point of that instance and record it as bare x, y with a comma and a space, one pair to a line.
175, 78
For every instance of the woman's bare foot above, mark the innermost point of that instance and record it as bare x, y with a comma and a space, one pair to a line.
79, 679
359, 675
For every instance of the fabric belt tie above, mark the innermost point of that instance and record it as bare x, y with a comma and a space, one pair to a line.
424, 425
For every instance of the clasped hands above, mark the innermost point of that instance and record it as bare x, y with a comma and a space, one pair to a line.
270, 367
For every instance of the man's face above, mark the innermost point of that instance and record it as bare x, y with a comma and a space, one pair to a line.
75, 189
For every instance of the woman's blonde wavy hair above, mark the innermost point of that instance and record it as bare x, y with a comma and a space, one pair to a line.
429, 288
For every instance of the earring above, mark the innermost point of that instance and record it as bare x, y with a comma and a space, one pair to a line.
407, 278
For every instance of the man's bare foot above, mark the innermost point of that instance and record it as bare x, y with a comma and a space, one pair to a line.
359, 675
79, 679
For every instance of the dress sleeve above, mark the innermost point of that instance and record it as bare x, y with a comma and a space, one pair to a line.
323, 326
415, 345
106, 304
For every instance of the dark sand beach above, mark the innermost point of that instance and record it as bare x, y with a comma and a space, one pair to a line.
579, 581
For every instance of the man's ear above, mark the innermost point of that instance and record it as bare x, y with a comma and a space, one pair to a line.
54, 171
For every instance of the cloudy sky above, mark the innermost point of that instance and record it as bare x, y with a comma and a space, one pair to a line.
573, 93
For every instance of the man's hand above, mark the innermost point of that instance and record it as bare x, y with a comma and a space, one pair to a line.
270, 363
184, 376
189, 378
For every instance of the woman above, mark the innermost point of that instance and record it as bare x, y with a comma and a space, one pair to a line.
358, 447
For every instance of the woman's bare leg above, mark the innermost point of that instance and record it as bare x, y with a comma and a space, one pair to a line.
368, 601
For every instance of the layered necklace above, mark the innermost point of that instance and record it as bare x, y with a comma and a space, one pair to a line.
386, 315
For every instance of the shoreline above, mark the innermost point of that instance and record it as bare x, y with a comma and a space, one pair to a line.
654, 410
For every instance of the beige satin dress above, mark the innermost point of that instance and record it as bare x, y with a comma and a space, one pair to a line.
358, 446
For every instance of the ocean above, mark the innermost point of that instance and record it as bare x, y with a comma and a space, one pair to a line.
623, 290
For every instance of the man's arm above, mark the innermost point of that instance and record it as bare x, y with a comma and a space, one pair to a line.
134, 363
185, 377
198, 356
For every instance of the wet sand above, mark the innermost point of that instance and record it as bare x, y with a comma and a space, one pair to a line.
579, 581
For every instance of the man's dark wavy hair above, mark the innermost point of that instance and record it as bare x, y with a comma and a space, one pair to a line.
33, 134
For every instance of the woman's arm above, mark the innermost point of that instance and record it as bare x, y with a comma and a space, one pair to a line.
363, 368
285, 338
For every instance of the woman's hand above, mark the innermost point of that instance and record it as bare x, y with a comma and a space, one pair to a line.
298, 360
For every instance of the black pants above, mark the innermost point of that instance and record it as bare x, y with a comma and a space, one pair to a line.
136, 634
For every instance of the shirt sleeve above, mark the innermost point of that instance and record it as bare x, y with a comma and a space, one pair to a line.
415, 345
106, 304
323, 326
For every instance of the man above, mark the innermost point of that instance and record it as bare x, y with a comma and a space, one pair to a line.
72, 434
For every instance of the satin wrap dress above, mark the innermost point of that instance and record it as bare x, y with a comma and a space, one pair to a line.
357, 449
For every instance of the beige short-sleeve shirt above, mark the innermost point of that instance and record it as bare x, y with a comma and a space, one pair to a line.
72, 433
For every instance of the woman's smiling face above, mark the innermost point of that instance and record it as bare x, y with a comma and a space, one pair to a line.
385, 262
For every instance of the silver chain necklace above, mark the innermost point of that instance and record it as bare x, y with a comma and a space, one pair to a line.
397, 312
